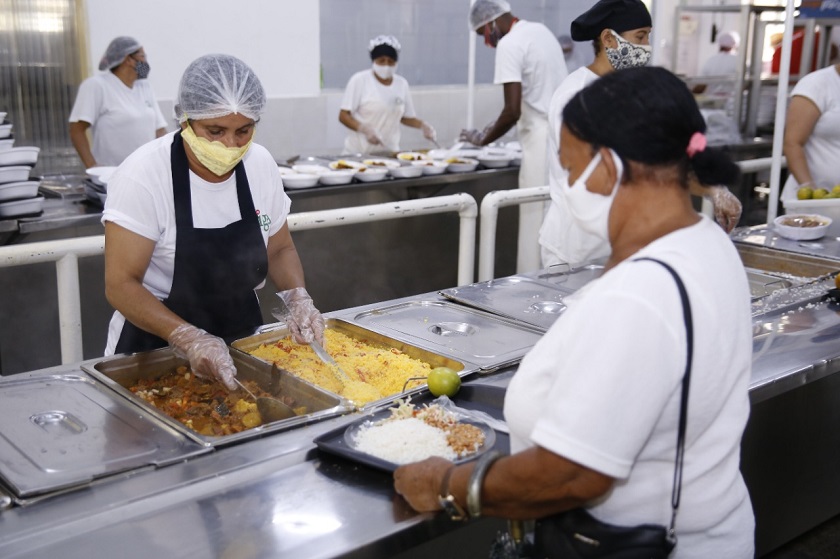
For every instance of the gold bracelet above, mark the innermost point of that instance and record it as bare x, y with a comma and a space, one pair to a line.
477, 480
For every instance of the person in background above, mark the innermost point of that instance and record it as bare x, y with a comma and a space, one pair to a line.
377, 101
573, 57
725, 61
620, 34
194, 221
118, 105
812, 132
530, 65
596, 428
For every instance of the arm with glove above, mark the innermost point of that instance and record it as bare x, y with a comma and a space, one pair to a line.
369, 132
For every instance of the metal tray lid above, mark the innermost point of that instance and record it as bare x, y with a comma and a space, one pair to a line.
570, 278
450, 329
517, 297
65, 430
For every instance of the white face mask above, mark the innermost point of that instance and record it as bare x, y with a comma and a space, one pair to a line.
590, 210
384, 71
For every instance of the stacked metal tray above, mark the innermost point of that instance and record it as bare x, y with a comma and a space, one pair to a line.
569, 278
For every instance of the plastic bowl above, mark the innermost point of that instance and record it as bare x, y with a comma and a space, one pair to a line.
383, 163
412, 156
461, 165
494, 161
7, 143
19, 156
19, 190
14, 174
432, 167
371, 174
344, 176
345, 165
801, 227
310, 169
100, 175
300, 180
406, 171
5, 130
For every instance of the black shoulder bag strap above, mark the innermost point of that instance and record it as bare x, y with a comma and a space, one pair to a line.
689, 332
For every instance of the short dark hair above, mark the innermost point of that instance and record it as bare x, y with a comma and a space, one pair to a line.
647, 115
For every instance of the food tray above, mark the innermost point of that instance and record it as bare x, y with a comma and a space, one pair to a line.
487, 399
516, 297
355, 331
16, 173
570, 278
63, 431
489, 341
19, 208
18, 190
119, 373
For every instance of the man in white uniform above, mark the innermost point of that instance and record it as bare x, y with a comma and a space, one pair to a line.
530, 65
118, 105
723, 64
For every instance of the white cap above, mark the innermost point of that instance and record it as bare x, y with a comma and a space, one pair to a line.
729, 40
483, 12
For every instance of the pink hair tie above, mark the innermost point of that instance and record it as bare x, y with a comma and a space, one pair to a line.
696, 144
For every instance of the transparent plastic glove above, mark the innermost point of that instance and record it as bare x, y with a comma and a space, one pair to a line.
473, 136
304, 321
429, 132
371, 135
727, 207
208, 354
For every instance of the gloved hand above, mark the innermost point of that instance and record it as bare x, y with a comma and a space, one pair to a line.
208, 355
304, 321
428, 132
472, 136
371, 135
727, 207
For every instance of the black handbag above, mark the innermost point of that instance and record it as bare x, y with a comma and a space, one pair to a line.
577, 534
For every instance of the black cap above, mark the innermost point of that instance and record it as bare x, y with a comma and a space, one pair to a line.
618, 15
383, 50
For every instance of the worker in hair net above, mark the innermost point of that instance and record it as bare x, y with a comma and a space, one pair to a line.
377, 101
118, 105
725, 61
530, 66
195, 221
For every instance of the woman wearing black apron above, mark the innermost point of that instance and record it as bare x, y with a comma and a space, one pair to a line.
202, 213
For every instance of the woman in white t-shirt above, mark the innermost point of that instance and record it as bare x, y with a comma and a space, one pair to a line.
593, 409
194, 221
812, 132
377, 101
118, 105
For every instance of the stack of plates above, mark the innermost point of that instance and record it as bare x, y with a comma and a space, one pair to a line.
96, 184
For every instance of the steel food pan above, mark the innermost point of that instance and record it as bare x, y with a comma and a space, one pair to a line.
374, 338
120, 373
64, 431
488, 340
568, 277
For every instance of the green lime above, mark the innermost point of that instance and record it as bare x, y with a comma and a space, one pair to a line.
443, 381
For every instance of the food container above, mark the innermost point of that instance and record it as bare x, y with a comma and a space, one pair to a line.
274, 333
802, 227
18, 208
19, 156
285, 170
492, 161
14, 174
828, 207
18, 190
461, 164
412, 156
330, 178
6, 144
382, 162
345, 165
371, 174
432, 167
5, 130
100, 175
309, 169
300, 180
406, 172
120, 373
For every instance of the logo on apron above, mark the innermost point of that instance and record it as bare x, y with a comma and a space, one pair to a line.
264, 221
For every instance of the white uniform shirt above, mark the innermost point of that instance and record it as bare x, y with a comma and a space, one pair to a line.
122, 118
822, 150
140, 199
561, 240
381, 106
530, 54
721, 64
602, 388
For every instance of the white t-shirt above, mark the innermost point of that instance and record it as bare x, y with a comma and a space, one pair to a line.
822, 150
140, 199
381, 106
720, 64
602, 388
531, 55
122, 118
561, 240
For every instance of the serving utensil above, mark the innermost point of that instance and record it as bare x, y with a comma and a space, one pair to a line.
271, 409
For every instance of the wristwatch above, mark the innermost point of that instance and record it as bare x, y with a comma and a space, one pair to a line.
447, 501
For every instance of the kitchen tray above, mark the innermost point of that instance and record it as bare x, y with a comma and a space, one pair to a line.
120, 373
466, 333
518, 297
374, 338
61, 431
487, 399
567, 277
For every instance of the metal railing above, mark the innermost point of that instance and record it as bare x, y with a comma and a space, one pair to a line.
66, 252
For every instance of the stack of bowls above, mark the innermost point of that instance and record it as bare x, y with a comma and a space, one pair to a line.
96, 184
18, 194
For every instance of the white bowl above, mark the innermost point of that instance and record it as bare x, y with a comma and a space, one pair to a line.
100, 175
344, 176
801, 227
371, 174
382, 163
310, 169
285, 170
19, 190
345, 165
300, 180
6, 144
412, 156
22, 207
461, 164
3, 116
5, 130
14, 174
431, 167
494, 161
406, 171
19, 156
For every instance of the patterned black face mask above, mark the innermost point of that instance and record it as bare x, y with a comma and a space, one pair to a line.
142, 68
627, 55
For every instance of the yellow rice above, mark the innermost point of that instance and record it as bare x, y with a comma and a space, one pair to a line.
375, 372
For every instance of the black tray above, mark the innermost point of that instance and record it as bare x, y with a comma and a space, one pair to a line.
489, 399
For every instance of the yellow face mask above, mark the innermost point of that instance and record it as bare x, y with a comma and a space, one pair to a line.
216, 156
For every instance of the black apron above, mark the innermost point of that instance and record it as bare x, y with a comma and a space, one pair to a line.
215, 270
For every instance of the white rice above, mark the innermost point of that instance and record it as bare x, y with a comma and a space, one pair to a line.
403, 441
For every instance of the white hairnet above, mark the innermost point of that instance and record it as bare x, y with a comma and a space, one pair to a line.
389, 40
483, 12
217, 85
117, 51
729, 39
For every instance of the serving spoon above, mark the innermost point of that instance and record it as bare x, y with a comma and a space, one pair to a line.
271, 409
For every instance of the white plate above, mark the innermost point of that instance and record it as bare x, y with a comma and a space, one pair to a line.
461, 165
6, 144
345, 165
784, 226
310, 169
432, 167
412, 156
343, 176
19, 156
100, 175
14, 174
494, 161
406, 171
371, 174
22, 207
378, 162
5, 130
300, 180
19, 190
